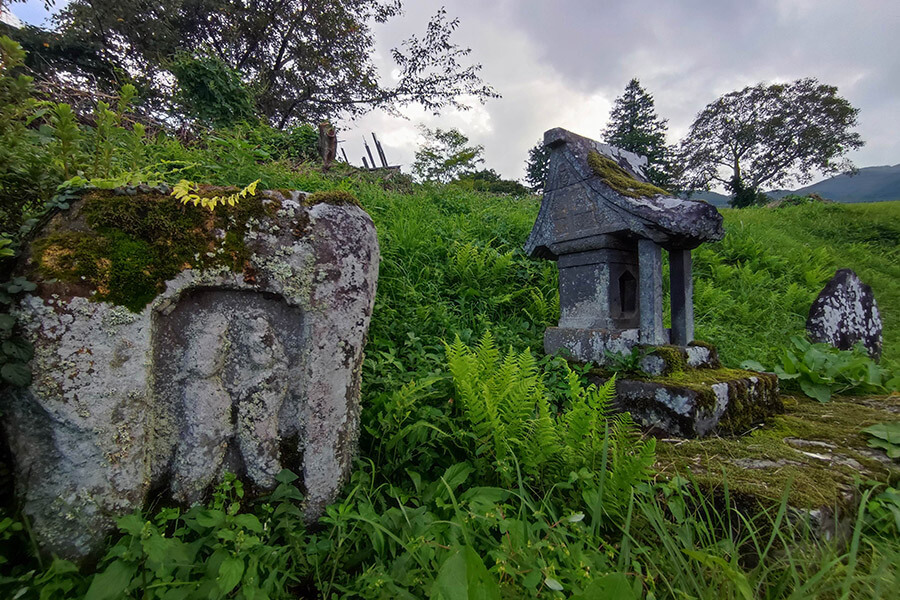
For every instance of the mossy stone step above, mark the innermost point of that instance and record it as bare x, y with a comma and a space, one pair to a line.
668, 359
697, 402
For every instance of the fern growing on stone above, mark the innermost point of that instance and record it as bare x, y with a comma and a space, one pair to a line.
516, 430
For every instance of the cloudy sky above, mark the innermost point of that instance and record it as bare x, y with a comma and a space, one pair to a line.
563, 62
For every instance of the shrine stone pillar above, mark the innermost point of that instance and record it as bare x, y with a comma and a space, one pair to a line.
681, 297
651, 293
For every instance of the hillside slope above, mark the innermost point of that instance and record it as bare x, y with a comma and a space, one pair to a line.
869, 184
453, 264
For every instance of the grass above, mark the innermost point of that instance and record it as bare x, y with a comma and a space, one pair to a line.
753, 289
452, 264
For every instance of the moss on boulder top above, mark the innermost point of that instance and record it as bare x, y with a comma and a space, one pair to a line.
814, 450
121, 248
621, 180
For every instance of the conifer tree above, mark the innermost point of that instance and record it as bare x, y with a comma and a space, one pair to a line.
634, 126
537, 165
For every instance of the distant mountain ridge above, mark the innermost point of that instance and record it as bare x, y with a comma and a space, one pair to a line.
869, 184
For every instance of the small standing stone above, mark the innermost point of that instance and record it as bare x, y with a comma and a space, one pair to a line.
846, 313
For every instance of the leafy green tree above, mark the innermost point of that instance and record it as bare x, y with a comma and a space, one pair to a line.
445, 155
767, 135
488, 180
537, 166
634, 126
211, 91
307, 60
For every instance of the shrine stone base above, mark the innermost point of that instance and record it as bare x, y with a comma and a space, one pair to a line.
680, 391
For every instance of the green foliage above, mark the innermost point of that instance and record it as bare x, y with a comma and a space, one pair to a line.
111, 141
634, 126
444, 155
211, 91
304, 61
743, 196
208, 551
15, 351
67, 138
769, 135
797, 200
621, 363
517, 432
883, 513
691, 544
821, 370
537, 166
488, 180
186, 192
885, 436
26, 174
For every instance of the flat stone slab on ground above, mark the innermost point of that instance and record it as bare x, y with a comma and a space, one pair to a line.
815, 450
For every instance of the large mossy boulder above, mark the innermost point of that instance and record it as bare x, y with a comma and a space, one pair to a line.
174, 343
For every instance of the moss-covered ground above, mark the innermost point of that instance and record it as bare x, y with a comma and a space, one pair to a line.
814, 450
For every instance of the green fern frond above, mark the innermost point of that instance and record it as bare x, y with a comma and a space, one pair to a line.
504, 401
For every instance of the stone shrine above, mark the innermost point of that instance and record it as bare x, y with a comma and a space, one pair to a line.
174, 343
606, 227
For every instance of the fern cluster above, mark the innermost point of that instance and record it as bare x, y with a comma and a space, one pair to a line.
517, 429
186, 191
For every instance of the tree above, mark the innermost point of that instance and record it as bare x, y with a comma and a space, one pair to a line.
488, 180
634, 126
770, 135
306, 60
537, 166
445, 155
211, 91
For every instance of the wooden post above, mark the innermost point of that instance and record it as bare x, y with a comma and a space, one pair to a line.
327, 144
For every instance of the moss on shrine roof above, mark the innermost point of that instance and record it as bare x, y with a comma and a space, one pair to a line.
621, 180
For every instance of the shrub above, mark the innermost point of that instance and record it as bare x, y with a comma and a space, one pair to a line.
820, 370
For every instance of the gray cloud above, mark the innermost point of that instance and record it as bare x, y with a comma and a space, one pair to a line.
564, 62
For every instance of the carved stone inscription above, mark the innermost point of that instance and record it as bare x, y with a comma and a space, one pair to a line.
224, 362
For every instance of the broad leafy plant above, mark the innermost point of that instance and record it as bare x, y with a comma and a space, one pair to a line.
885, 436
820, 370
15, 351
221, 550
